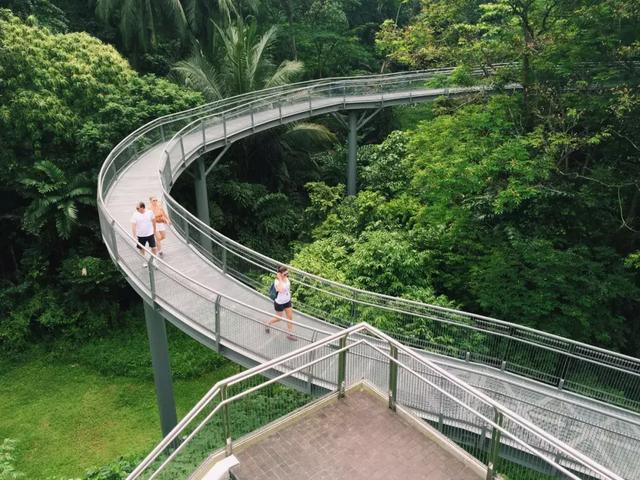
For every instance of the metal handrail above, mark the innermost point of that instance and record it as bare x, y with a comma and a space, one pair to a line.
215, 293
258, 369
267, 314
143, 139
364, 332
482, 323
225, 242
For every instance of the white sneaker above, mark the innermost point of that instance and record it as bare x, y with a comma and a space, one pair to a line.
145, 265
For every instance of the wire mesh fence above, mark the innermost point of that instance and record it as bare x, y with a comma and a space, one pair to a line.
250, 403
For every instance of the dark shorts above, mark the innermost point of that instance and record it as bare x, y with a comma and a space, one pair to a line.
151, 240
279, 307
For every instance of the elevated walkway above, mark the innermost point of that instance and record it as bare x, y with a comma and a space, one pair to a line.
210, 287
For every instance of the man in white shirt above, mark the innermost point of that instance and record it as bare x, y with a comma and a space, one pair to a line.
143, 228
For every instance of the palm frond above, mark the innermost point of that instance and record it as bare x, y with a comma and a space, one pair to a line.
105, 8
50, 169
199, 74
69, 210
286, 73
257, 57
307, 137
177, 14
131, 19
227, 7
63, 226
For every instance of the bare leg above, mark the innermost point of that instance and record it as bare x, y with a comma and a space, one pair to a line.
159, 240
289, 312
276, 318
161, 236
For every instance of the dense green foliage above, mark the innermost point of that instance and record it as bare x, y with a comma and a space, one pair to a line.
466, 208
66, 99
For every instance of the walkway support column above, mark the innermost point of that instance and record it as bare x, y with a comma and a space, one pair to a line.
202, 204
202, 199
353, 148
157, 333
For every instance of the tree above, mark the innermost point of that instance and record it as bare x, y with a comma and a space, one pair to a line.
65, 101
202, 16
554, 43
141, 22
242, 66
54, 200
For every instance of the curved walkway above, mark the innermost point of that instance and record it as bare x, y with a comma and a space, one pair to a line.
203, 284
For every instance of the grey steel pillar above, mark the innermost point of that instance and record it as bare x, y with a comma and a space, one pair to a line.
353, 148
202, 207
159, 347
202, 199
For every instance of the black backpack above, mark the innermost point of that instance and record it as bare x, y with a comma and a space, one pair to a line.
273, 293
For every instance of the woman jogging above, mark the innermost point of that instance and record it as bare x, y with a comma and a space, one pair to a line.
282, 302
162, 220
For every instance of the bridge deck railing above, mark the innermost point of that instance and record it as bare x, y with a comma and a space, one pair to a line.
498, 438
597, 373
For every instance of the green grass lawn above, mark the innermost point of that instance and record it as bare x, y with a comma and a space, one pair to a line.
69, 416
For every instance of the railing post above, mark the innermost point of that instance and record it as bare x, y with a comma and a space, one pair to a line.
216, 313
114, 239
494, 448
441, 411
224, 128
505, 354
352, 310
204, 136
310, 105
228, 448
224, 257
115, 170
562, 371
312, 357
342, 367
152, 279
253, 124
182, 150
162, 133
280, 110
393, 377
167, 167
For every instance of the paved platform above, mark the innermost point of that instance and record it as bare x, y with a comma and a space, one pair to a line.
355, 438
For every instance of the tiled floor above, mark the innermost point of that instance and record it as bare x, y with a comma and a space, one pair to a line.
356, 438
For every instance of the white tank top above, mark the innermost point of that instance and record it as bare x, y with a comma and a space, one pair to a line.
285, 295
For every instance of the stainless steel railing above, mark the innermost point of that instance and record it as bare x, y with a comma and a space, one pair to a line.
569, 365
210, 426
240, 326
551, 359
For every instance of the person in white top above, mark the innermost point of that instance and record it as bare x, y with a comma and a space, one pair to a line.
282, 302
143, 228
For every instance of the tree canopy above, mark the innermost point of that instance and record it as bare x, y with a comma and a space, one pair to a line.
65, 100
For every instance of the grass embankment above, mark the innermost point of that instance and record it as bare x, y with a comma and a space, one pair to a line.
72, 407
